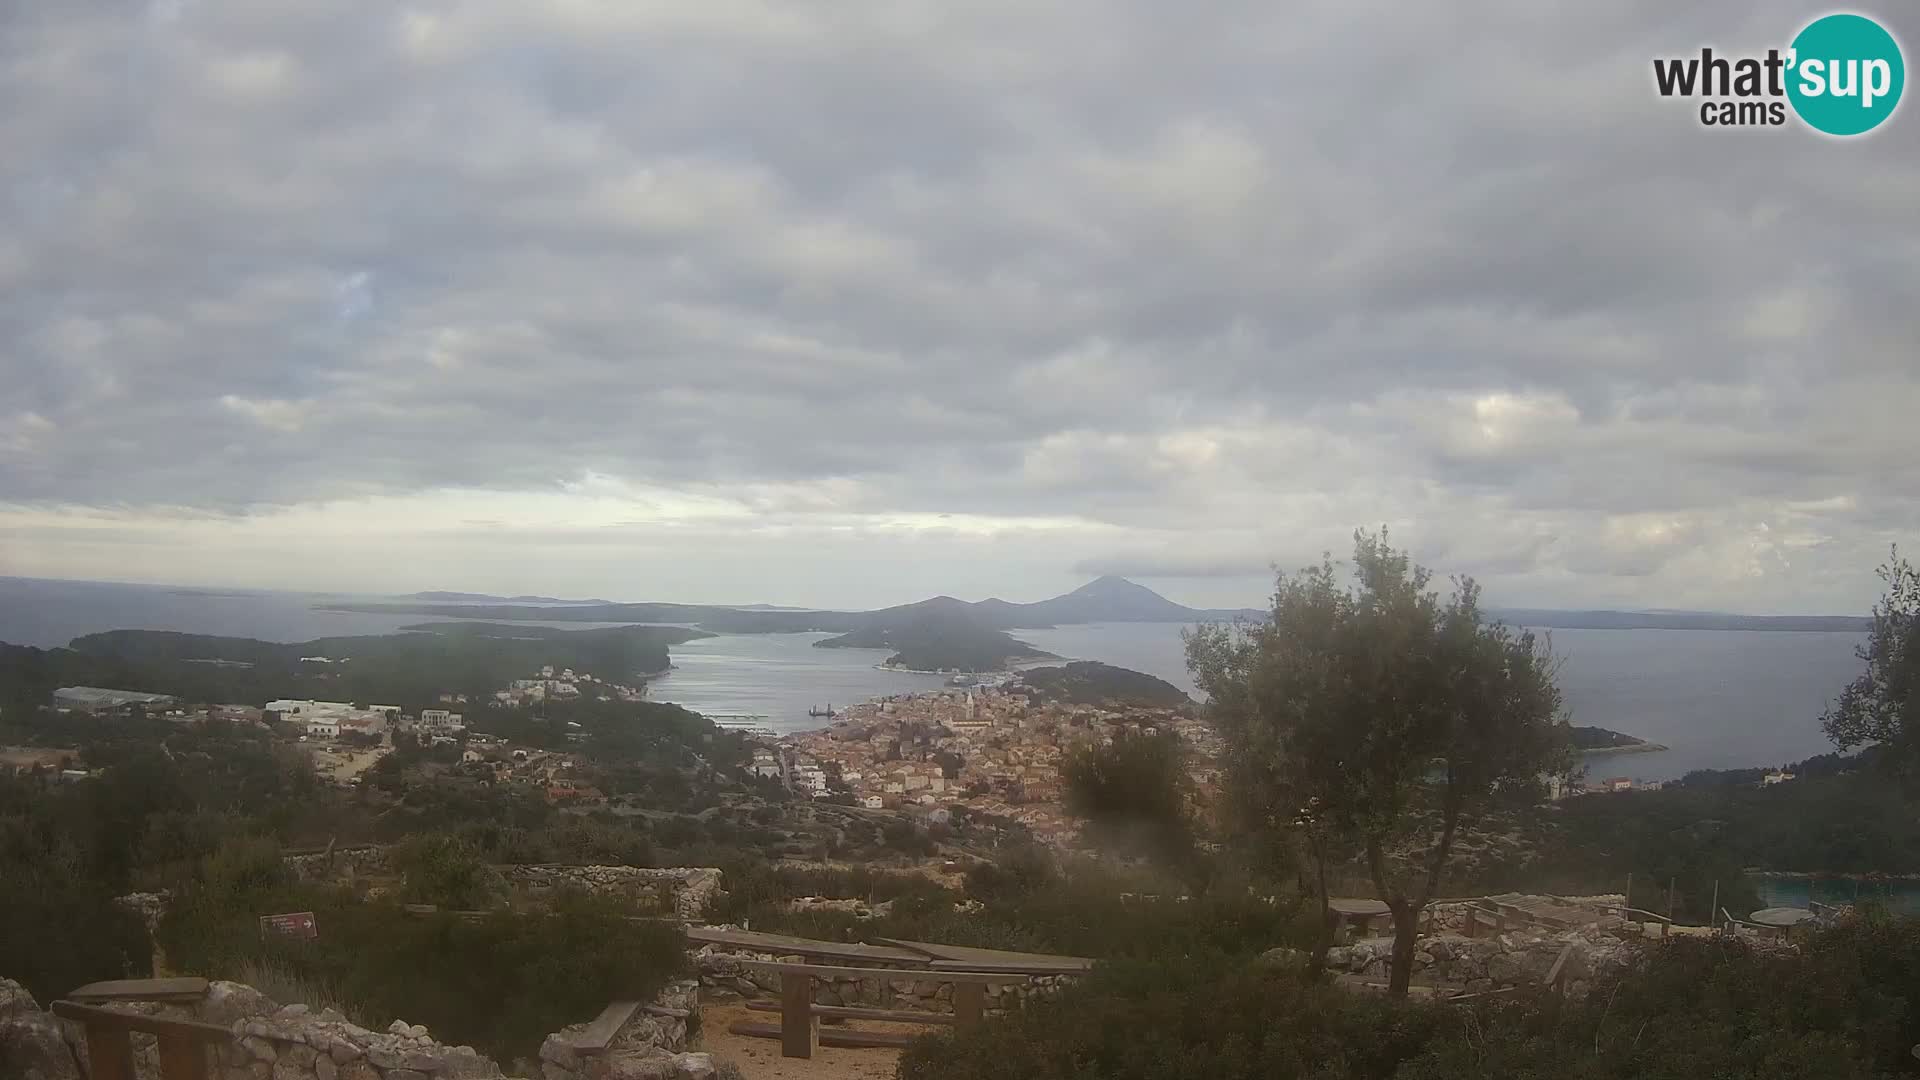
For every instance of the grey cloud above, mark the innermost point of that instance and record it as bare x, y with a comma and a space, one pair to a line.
1215, 282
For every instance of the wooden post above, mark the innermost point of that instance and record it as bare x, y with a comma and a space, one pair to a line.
1667, 927
796, 1014
1629, 902
109, 1053
182, 1057
969, 1004
1716, 901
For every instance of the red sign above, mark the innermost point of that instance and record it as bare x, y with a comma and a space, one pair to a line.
298, 924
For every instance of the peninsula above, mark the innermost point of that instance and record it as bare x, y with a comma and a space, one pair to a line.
1598, 740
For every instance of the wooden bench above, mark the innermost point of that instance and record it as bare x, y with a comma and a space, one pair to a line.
797, 1030
183, 1043
599, 1032
849, 1012
183, 989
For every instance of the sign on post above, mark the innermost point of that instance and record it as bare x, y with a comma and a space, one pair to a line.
296, 924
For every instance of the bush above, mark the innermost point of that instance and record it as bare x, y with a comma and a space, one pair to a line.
500, 983
1088, 912
1845, 1007
59, 931
446, 871
1184, 1019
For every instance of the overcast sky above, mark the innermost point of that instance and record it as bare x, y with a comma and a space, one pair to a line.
852, 302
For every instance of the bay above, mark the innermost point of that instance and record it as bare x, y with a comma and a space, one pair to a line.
778, 677
1716, 698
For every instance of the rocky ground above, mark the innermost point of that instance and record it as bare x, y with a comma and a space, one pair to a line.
293, 1042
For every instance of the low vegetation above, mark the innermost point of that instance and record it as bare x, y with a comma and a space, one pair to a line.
498, 983
1088, 682
1847, 1008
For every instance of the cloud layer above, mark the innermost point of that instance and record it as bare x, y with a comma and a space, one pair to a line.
853, 302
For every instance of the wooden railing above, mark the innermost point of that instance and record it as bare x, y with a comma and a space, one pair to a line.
798, 1013
183, 1043
1639, 917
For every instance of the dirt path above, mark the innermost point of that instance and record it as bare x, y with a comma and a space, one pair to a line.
759, 1059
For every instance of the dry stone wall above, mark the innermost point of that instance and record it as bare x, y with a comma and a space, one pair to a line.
652, 1045
34, 1045
1452, 959
340, 864
684, 891
294, 1042
687, 891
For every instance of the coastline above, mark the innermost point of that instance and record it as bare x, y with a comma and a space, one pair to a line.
1808, 875
1635, 748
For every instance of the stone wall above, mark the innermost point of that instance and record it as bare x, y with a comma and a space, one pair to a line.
686, 891
34, 1045
1451, 917
293, 1042
1495, 962
340, 864
652, 1044
723, 976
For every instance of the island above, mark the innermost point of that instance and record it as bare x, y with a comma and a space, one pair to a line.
1598, 740
1088, 682
408, 668
939, 643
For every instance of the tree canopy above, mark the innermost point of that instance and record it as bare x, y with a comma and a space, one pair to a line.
1876, 709
1379, 715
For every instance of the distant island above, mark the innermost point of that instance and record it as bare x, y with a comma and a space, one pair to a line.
1088, 682
485, 597
1598, 740
408, 669
939, 642
1107, 599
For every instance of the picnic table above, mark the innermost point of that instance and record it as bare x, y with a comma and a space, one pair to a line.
1782, 919
1358, 912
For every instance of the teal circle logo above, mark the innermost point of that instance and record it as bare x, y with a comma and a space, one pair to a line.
1845, 75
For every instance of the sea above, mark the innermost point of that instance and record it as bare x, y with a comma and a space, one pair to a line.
1715, 698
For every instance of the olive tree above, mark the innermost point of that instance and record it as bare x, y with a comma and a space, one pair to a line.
1379, 717
1877, 709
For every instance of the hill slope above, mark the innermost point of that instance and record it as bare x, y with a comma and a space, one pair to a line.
939, 639
1106, 599
1087, 682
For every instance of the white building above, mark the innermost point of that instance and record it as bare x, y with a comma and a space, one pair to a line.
323, 727
441, 722
874, 802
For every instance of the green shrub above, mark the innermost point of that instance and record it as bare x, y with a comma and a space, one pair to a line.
446, 871
1844, 1007
1184, 1019
500, 983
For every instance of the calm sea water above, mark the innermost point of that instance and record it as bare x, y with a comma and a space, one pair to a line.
1718, 699
778, 676
1900, 896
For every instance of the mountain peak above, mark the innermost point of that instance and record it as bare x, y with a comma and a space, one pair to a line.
1114, 585
1110, 598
